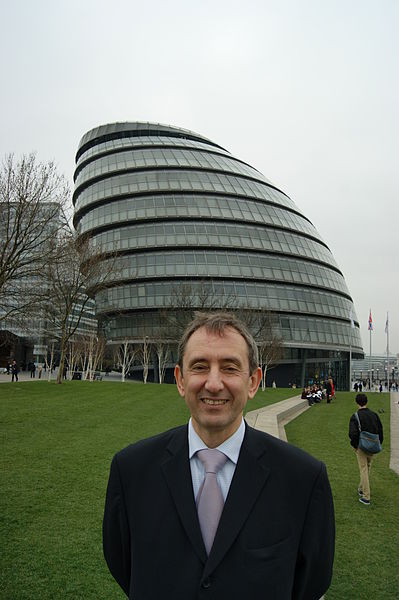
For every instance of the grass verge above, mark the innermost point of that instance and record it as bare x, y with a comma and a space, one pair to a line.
57, 445
367, 542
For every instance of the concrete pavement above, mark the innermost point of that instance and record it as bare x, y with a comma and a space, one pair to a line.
273, 418
25, 376
394, 462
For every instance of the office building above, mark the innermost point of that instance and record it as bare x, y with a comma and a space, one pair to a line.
193, 227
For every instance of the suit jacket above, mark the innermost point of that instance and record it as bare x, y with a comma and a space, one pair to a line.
275, 539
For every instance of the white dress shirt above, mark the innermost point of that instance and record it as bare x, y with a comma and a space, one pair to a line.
230, 447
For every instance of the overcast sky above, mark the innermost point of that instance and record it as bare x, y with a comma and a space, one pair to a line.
306, 91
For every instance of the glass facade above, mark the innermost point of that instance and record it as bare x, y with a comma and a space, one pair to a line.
180, 212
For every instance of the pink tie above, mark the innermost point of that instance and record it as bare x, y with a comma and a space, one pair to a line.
210, 500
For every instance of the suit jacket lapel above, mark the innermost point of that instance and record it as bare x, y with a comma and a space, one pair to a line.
176, 469
249, 478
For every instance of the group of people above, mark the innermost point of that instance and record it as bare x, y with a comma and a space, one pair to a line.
313, 394
316, 393
32, 369
358, 386
13, 370
393, 386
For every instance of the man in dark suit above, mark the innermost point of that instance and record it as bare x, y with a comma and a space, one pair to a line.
275, 536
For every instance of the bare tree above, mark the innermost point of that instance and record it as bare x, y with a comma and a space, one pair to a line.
49, 359
186, 299
74, 354
93, 352
34, 202
77, 269
162, 351
125, 355
145, 356
270, 354
265, 329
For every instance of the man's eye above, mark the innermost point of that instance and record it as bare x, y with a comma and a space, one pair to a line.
230, 369
199, 367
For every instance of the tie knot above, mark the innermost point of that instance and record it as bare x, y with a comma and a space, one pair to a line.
212, 459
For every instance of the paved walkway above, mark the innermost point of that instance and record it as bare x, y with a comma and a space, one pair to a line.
394, 462
273, 418
25, 376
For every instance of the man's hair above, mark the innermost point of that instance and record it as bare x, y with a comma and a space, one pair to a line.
218, 322
361, 399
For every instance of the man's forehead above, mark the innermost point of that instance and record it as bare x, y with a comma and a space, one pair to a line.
206, 343
227, 332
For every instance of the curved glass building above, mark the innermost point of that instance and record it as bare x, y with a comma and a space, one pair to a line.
194, 227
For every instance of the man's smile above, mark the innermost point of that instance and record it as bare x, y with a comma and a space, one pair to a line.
214, 401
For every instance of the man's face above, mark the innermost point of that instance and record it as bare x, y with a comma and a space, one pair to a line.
216, 383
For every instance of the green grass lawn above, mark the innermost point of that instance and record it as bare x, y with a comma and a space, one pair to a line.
367, 545
57, 444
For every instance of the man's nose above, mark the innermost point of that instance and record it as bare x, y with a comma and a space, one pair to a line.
214, 382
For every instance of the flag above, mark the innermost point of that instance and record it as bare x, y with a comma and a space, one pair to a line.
351, 318
370, 322
386, 324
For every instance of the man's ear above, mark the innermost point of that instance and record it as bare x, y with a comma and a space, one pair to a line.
179, 380
254, 382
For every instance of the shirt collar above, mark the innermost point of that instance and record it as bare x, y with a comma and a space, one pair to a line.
230, 447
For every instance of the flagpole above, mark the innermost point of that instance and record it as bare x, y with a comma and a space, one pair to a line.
371, 370
387, 332
350, 366
350, 348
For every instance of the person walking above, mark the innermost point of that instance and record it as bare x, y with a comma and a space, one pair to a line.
32, 370
369, 421
14, 371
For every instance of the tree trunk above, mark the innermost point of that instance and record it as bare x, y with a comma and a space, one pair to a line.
63, 354
264, 378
